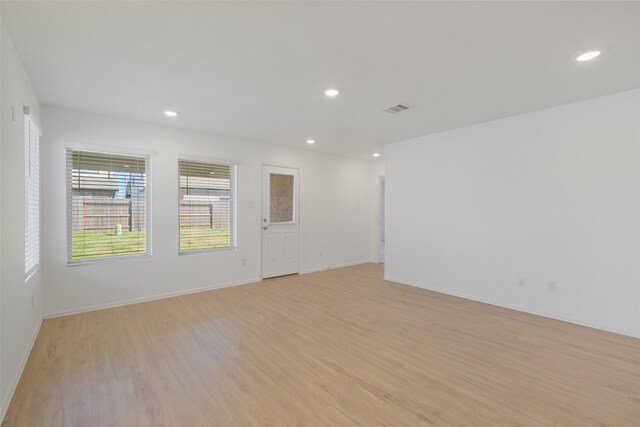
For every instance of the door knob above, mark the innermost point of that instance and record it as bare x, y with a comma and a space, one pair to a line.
265, 228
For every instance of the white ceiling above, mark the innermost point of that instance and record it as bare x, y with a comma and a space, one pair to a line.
258, 70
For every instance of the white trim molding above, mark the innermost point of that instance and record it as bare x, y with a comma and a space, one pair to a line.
14, 383
628, 333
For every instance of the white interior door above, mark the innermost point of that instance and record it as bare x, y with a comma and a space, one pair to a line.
280, 221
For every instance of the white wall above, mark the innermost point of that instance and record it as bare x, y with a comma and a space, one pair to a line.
552, 195
20, 302
334, 212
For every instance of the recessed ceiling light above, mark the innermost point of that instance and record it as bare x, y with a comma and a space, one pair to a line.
376, 154
331, 92
311, 141
170, 113
588, 56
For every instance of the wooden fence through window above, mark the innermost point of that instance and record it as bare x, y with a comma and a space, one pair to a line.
101, 214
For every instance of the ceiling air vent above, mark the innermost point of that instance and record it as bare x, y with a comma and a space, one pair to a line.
396, 109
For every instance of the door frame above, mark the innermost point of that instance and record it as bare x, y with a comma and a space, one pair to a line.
297, 209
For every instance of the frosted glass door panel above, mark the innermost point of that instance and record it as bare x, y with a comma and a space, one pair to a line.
281, 198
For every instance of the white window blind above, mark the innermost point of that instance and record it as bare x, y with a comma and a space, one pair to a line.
31, 196
207, 205
108, 209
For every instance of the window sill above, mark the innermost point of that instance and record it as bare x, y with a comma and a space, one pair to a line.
107, 260
207, 251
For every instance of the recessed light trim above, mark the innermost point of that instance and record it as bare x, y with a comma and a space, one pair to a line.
170, 113
376, 154
331, 92
311, 141
588, 56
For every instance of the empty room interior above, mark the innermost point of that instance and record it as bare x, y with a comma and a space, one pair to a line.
319, 213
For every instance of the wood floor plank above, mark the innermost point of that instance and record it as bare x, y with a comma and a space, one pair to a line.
336, 348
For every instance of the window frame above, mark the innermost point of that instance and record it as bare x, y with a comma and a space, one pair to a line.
31, 122
148, 205
233, 207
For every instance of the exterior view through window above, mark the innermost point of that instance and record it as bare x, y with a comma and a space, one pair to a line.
31, 196
107, 196
207, 210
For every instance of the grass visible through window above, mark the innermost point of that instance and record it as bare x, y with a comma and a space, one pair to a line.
204, 238
94, 244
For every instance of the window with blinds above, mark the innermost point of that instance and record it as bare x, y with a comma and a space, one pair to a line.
207, 205
108, 205
31, 196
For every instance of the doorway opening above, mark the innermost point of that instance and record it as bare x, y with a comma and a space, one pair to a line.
381, 221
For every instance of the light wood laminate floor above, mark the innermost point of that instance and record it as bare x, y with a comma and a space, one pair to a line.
336, 348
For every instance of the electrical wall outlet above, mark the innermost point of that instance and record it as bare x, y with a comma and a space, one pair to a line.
520, 281
321, 252
244, 262
552, 286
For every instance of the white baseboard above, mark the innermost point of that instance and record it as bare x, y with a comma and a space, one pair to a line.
178, 293
16, 379
146, 299
331, 267
628, 333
